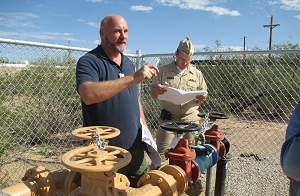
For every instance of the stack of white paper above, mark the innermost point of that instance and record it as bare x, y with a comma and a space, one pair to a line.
179, 96
152, 147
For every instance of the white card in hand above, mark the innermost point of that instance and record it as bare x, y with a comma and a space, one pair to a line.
176, 140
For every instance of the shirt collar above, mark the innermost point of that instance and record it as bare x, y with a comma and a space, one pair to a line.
175, 69
101, 53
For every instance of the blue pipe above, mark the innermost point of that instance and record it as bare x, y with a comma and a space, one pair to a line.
206, 156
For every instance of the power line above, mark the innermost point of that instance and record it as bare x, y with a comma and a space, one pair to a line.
248, 12
266, 7
233, 20
259, 11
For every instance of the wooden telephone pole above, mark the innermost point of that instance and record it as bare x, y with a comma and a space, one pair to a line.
271, 26
245, 43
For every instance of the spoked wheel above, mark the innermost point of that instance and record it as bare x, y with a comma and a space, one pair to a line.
213, 116
87, 133
91, 159
180, 127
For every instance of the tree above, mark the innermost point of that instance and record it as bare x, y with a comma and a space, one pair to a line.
4, 60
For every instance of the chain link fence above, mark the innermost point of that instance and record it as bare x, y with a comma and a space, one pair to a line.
39, 107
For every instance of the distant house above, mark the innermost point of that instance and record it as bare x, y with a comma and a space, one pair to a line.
25, 62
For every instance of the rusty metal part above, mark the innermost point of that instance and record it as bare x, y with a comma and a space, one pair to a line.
165, 182
39, 181
93, 172
87, 133
27, 188
215, 138
91, 159
179, 175
183, 156
101, 183
169, 181
214, 134
73, 181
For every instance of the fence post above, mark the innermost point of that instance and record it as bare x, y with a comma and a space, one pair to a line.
137, 67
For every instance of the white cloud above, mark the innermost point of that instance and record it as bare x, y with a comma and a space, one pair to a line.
205, 5
97, 41
287, 4
141, 8
13, 19
199, 46
49, 35
94, 1
7, 34
186, 4
291, 4
38, 35
222, 48
222, 11
298, 16
93, 24
233, 48
19, 15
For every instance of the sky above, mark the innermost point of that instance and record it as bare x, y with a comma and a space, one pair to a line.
155, 26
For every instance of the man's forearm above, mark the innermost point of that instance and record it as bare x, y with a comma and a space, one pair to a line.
95, 92
142, 114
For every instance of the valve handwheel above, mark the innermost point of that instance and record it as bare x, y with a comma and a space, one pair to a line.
214, 116
87, 133
91, 159
180, 127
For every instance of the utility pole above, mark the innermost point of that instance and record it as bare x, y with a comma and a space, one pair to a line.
245, 43
244, 61
271, 26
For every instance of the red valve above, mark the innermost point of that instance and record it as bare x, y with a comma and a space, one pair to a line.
183, 157
215, 137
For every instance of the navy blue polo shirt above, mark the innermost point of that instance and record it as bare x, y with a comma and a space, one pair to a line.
120, 111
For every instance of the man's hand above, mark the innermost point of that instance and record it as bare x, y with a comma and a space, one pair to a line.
201, 98
145, 72
160, 89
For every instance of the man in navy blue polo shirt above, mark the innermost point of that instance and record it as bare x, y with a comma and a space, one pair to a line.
107, 83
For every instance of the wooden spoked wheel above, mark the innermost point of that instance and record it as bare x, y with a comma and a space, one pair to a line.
87, 133
89, 159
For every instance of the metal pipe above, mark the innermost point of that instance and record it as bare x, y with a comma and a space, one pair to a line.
206, 156
208, 181
221, 175
26, 188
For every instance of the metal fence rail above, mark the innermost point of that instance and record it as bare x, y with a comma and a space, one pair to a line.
39, 107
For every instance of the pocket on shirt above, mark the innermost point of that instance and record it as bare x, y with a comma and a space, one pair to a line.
192, 85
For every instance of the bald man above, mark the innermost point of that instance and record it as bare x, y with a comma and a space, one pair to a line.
107, 84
